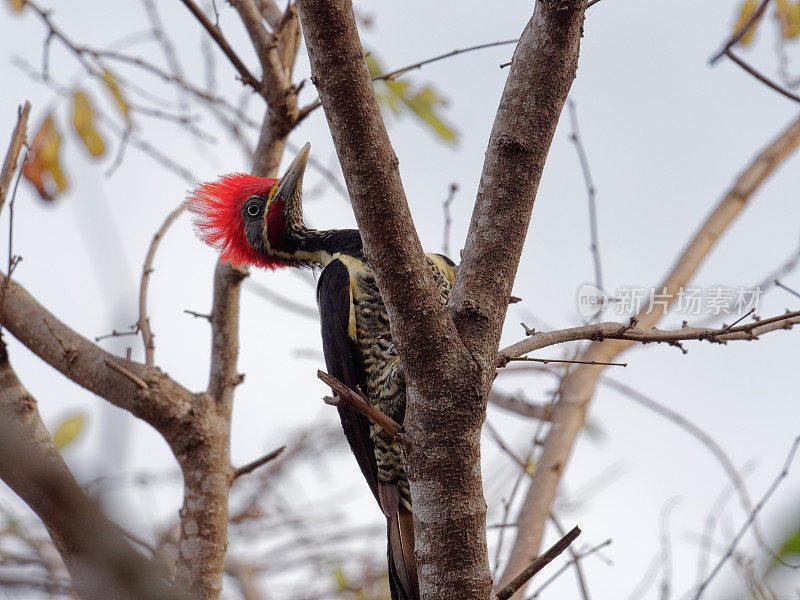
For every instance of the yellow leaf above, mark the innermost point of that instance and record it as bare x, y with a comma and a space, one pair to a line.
789, 18
17, 4
42, 168
83, 122
113, 87
68, 430
748, 8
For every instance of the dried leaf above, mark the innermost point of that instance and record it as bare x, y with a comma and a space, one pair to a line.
83, 122
68, 430
748, 8
42, 168
17, 5
115, 90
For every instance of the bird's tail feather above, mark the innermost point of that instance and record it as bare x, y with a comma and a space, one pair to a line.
400, 533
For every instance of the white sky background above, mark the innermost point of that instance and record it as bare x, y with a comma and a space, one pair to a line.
665, 136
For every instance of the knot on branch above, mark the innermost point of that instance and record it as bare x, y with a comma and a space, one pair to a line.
510, 146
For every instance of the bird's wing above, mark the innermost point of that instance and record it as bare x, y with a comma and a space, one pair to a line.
341, 359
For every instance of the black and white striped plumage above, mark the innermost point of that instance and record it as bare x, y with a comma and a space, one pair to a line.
260, 221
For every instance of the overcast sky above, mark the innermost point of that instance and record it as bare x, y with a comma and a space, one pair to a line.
665, 135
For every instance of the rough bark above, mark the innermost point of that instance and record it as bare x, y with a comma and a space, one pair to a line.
101, 562
207, 480
447, 383
542, 71
578, 388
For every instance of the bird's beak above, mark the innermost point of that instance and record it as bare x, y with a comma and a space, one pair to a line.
291, 182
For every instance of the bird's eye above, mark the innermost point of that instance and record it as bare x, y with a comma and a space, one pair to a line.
253, 210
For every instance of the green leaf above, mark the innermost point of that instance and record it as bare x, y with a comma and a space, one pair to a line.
68, 430
340, 578
791, 545
423, 103
374, 67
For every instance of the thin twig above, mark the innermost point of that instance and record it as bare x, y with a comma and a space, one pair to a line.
591, 192
448, 218
563, 360
579, 575
618, 331
762, 78
252, 466
566, 565
357, 400
197, 315
706, 440
114, 333
143, 323
216, 35
420, 64
6, 175
787, 288
123, 371
751, 517
538, 564
741, 32
306, 110
666, 547
14, 148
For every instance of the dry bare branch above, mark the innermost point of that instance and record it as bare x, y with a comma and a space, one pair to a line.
749, 521
619, 331
761, 77
102, 563
741, 31
578, 388
216, 35
449, 370
14, 148
356, 399
143, 322
537, 565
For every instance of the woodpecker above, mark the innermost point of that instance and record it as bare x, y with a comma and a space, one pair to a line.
259, 222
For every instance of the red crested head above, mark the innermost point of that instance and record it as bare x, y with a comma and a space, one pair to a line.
250, 219
218, 221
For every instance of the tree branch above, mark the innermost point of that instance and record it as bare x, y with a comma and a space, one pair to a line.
85, 363
356, 399
741, 31
619, 331
144, 321
761, 77
14, 148
102, 563
578, 388
216, 35
544, 66
539, 564
446, 386
252, 466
